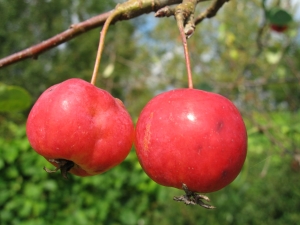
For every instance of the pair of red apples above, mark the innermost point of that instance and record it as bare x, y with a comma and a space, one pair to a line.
182, 137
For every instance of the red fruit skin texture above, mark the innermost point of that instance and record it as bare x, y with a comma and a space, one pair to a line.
193, 137
76, 121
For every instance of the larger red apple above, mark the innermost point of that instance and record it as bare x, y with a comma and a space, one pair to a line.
192, 138
76, 122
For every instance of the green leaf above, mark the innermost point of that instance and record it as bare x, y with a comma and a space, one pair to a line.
13, 98
128, 216
279, 16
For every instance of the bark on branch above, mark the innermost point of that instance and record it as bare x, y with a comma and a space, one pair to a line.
73, 31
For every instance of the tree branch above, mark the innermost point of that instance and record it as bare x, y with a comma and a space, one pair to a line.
211, 11
132, 9
72, 32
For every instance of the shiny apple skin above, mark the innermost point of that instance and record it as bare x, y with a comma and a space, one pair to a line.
76, 121
193, 137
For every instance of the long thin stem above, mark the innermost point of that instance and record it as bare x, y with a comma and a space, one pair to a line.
101, 44
186, 52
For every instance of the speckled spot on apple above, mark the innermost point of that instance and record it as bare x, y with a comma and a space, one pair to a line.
220, 126
65, 105
199, 149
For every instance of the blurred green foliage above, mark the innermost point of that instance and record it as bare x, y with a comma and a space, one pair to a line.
266, 190
146, 57
13, 98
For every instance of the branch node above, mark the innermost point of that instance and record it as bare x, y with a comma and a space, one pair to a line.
184, 13
166, 11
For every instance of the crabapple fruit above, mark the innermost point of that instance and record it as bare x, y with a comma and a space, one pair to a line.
80, 128
193, 138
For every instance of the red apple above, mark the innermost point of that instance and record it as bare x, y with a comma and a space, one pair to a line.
193, 138
278, 28
279, 19
78, 123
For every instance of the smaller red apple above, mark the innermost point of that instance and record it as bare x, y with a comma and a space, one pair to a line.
80, 128
278, 28
279, 19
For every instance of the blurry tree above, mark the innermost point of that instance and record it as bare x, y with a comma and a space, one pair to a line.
235, 54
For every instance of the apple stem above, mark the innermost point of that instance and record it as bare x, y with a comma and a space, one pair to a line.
192, 198
185, 48
101, 44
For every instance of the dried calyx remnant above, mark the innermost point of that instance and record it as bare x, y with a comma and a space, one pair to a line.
63, 165
193, 198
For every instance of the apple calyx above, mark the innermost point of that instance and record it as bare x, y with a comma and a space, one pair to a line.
63, 165
193, 198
